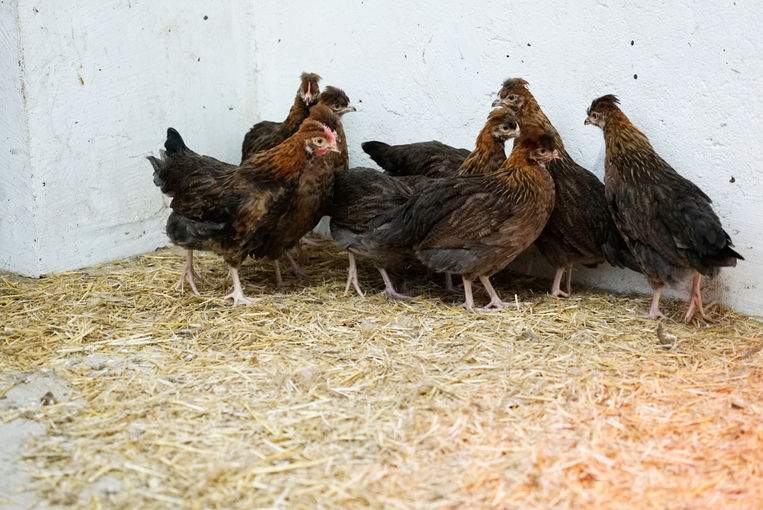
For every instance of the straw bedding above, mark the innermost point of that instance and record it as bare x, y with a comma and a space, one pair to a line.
309, 399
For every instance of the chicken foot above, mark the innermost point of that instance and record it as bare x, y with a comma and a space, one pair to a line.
237, 295
695, 299
188, 274
389, 288
352, 277
496, 303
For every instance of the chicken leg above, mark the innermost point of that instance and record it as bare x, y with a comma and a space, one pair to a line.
556, 290
468, 298
695, 299
389, 288
568, 281
237, 295
352, 277
654, 310
188, 273
277, 269
449, 283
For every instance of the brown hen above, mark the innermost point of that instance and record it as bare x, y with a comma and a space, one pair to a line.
236, 211
475, 225
667, 221
580, 230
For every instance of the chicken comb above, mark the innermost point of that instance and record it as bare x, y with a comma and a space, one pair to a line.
329, 133
604, 102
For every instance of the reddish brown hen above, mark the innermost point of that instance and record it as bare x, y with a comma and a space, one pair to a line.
236, 211
667, 221
580, 230
267, 134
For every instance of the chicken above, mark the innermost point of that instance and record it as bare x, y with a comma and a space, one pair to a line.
475, 225
311, 197
363, 194
236, 211
666, 219
267, 134
580, 230
332, 104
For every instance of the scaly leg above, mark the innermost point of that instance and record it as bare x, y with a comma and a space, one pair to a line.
352, 277
654, 310
188, 273
695, 299
468, 298
569, 280
389, 288
556, 290
449, 283
237, 295
296, 267
277, 269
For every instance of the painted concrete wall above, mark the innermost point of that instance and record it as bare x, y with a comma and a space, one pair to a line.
101, 82
89, 88
17, 203
689, 74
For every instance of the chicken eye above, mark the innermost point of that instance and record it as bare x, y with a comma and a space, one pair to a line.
337, 106
595, 115
319, 141
504, 127
512, 97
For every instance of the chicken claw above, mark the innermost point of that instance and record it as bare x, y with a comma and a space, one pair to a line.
237, 295
389, 289
188, 274
352, 277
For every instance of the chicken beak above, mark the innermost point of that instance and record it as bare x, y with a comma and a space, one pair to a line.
348, 109
587, 122
555, 155
497, 102
333, 148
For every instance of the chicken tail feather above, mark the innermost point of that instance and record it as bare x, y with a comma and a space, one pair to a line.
174, 143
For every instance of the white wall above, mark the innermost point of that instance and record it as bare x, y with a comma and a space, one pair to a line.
17, 200
430, 69
98, 84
